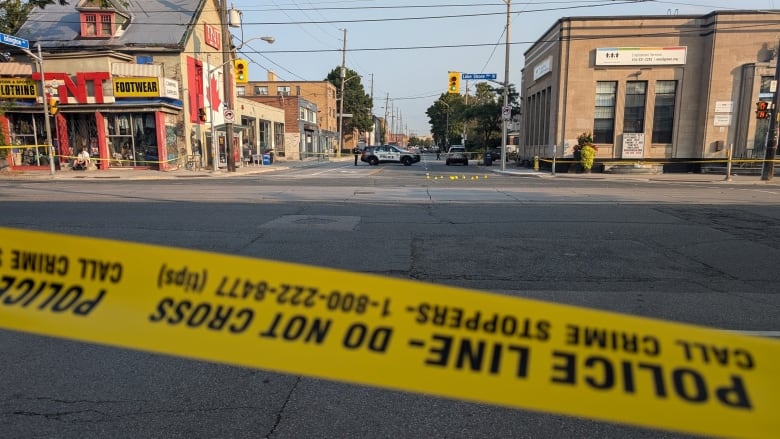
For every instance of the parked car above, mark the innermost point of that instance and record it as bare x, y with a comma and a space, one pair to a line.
366, 152
457, 154
495, 154
389, 154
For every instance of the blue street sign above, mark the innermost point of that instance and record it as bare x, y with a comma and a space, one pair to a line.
478, 76
14, 41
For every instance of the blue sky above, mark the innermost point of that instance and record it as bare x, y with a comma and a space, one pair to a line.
406, 47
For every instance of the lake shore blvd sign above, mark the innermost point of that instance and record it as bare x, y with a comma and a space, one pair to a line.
641, 56
14, 41
478, 76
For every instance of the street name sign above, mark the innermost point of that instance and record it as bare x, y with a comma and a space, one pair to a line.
478, 76
14, 41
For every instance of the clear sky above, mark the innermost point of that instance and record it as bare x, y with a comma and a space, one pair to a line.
406, 47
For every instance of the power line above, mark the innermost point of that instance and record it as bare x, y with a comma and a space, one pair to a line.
763, 26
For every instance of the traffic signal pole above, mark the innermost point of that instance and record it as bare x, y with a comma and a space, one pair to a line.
226, 76
46, 121
506, 88
768, 170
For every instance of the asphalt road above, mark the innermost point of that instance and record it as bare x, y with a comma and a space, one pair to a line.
691, 252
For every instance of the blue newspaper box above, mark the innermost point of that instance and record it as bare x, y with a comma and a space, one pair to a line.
266, 159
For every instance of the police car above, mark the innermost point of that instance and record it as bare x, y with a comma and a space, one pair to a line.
389, 154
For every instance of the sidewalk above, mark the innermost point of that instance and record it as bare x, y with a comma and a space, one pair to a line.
148, 174
675, 177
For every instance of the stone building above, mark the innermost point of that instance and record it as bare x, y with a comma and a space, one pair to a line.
671, 89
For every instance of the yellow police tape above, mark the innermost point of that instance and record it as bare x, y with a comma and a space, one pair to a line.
391, 333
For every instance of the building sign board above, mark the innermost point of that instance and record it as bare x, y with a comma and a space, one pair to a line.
724, 106
633, 146
543, 68
170, 88
136, 87
18, 88
722, 120
641, 56
212, 36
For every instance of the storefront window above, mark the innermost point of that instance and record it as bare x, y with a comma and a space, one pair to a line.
279, 137
265, 128
634, 112
28, 131
604, 118
132, 139
663, 114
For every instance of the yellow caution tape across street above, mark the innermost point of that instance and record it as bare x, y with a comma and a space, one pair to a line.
391, 333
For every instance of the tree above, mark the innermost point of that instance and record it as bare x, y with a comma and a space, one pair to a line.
13, 13
356, 101
485, 111
446, 119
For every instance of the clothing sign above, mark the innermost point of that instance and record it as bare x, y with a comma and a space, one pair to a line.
18, 88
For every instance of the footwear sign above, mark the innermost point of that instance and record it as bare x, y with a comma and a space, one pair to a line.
391, 333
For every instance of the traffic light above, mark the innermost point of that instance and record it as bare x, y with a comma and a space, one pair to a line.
762, 110
241, 71
453, 86
202, 114
53, 108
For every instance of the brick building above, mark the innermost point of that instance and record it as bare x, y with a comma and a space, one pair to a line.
311, 113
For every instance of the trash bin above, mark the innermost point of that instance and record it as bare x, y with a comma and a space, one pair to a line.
266, 159
488, 159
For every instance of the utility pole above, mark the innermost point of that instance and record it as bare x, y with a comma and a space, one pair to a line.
341, 104
387, 103
371, 111
768, 170
506, 87
226, 76
467, 104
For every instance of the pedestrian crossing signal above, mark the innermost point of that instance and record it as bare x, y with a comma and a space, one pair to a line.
762, 110
453, 85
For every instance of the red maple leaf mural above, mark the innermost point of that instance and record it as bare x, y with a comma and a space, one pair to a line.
214, 94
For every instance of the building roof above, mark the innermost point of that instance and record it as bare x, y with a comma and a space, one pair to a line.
154, 24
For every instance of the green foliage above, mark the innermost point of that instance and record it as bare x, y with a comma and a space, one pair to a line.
13, 13
587, 157
356, 101
586, 138
478, 115
446, 118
